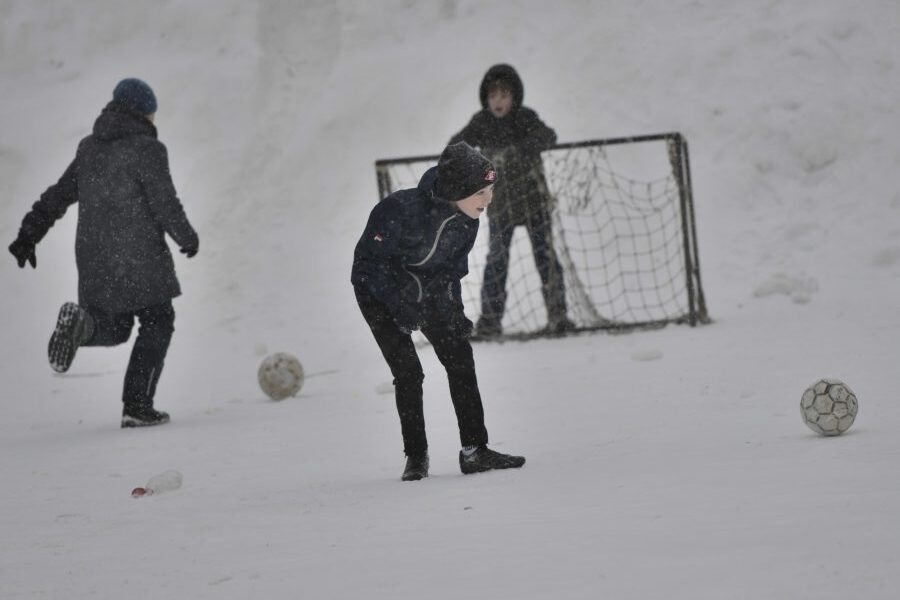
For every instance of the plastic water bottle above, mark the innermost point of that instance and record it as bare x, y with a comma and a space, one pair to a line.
164, 482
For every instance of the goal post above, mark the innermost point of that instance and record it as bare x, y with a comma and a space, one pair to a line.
623, 229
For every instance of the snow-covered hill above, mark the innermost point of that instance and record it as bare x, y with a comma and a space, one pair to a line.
686, 476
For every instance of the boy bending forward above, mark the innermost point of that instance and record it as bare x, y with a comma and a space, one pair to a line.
406, 275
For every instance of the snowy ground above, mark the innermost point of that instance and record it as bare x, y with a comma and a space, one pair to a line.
686, 476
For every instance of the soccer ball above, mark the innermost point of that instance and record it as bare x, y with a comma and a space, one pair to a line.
828, 407
280, 375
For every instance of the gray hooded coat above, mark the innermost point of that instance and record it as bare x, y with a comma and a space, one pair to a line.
126, 204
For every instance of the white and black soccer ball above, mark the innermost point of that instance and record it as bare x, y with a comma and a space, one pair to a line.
280, 375
829, 407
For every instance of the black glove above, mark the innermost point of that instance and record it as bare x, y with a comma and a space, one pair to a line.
407, 318
461, 324
444, 306
190, 250
23, 250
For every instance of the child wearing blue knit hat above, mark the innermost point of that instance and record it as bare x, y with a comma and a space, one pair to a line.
127, 205
136, 95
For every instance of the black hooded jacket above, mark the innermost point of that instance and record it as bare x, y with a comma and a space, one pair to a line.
413, 253
514, 144
126, 204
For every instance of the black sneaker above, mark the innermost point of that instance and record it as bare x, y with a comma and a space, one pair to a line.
488, 328
485, 459
559, 327
416, 468
143, 417
72, 330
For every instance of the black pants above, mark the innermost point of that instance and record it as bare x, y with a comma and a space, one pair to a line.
493, 292
157, 323
455, 353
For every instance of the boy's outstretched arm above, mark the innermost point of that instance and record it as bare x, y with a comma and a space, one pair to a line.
44, 213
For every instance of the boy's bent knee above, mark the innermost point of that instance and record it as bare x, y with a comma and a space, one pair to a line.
160, 317
411, 377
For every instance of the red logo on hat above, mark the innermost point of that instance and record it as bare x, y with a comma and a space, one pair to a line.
490, 175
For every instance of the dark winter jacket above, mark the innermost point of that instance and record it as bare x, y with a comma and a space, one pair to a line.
514, 144
412, 255
126, 204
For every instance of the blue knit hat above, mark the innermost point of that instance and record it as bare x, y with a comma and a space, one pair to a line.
136, 95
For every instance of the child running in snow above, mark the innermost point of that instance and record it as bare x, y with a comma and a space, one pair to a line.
126, 205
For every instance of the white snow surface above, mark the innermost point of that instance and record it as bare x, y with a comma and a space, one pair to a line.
687, 476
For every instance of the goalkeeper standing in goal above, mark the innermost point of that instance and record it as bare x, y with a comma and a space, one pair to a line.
512, 136
406, 275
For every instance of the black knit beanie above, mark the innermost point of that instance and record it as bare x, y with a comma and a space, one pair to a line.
462, 171
135, 95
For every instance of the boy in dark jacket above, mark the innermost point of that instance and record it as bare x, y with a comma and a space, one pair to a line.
406, 275
126, 204
512, 136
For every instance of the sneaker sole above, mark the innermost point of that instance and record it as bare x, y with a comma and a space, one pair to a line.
468, 469
62, 346
129, 422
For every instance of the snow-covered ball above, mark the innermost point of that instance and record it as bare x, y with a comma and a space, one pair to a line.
280, 375
828, 407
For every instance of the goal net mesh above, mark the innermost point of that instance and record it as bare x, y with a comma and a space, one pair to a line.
623, 231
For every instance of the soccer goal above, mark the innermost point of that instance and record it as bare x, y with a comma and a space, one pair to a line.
623, 229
